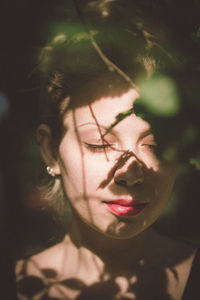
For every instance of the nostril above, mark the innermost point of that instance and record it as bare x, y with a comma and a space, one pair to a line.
129, 173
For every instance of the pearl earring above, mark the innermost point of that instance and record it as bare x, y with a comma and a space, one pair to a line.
50, 171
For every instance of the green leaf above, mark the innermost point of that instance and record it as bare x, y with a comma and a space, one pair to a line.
159, 96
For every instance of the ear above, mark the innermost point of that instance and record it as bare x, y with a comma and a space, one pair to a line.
44, 138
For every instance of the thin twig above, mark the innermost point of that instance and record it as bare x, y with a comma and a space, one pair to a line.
118, 119
111, 66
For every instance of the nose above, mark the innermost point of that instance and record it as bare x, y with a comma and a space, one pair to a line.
130, 173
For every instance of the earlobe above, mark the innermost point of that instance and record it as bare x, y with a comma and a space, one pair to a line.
44, 138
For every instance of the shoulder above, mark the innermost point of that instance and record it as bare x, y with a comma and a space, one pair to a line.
35, 273
50, 257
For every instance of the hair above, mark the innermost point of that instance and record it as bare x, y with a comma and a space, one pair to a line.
116, 40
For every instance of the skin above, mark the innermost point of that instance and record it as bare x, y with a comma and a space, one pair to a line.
109, 250
141, 177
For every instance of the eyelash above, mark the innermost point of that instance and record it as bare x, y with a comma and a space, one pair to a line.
97, 148
152, 147
102, 147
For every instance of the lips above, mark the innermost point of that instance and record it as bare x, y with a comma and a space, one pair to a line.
126, 208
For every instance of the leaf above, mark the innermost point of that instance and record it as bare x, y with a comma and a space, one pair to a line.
118, 119
160, 96
196, 162
30, 286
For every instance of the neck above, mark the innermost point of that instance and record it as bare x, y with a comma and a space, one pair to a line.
106, 250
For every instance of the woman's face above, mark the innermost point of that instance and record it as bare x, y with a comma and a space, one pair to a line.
117, 187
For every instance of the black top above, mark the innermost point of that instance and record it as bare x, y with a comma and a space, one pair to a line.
192, 289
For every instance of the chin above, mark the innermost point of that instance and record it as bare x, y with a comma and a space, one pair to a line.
121, 231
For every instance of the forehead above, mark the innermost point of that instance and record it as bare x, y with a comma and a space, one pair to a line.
105, 110
109, 107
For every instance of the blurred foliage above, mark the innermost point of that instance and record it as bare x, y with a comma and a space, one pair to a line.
169, 97
174, 119
159, 96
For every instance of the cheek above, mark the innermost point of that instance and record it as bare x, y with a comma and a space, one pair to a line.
151, 161
96, 169
165, 181
81, 171
72, 166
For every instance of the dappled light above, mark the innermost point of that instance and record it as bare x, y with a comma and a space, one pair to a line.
93, 227
113, 90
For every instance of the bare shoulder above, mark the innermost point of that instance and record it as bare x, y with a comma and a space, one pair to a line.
35, 274
50, 258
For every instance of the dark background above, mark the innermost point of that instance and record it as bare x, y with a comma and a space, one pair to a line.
22, 34
20, 23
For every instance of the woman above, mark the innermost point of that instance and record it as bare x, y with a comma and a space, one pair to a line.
108, 171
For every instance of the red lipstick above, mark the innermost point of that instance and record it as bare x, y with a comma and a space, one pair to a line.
125, 208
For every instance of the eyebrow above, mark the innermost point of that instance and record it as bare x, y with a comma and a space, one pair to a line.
101, 127
91, 123
144, 133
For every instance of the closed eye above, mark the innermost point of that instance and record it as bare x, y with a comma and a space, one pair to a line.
150, 147
97, 147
